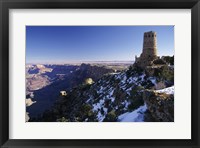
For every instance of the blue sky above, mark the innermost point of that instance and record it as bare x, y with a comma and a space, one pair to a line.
49, 44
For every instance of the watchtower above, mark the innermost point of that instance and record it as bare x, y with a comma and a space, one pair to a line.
150, 44
149, 52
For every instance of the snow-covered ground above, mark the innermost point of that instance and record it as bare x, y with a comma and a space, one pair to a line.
168, 90
138, 114
106, 91
134, 116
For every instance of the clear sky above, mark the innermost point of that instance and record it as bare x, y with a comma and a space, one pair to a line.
60, 44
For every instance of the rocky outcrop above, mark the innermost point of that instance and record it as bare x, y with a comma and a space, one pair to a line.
160, 105
29, 102
89, 81
27, 118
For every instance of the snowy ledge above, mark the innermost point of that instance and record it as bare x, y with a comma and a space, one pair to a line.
134, 116
168, 90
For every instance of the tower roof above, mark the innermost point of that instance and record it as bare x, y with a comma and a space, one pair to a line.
150, 32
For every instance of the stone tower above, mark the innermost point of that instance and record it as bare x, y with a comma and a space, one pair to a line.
150, 44
149, 52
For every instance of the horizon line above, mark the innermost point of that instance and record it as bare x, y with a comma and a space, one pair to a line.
78, 62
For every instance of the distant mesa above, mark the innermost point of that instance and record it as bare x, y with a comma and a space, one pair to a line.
43, 69
39, 66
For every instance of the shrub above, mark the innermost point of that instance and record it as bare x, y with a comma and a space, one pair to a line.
63, 119
133, 69
135, 103
168, 59
111, 117
85, 109
135, 98
159, 62
167, 74
147, 84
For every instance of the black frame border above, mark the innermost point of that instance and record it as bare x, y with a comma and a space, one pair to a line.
5, 5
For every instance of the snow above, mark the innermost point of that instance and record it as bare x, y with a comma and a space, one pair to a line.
124, 79
112, 99
117, 76
98, 105
114, 73
105, 110
105, 91
128, 90
101, 90
134, 116
132, 79
90, 98
100, 117
142, 77
111, 92
125, 103
153, 80
168, 90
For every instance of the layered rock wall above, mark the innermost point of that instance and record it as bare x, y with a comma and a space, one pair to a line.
160, 105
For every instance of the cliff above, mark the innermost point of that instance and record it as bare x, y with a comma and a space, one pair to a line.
125, 96
160, 104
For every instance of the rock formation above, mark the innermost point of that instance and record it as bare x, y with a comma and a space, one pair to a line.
29, 102
89, 81
160, 105
63, 93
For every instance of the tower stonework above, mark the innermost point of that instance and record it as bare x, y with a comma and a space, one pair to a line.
149, 52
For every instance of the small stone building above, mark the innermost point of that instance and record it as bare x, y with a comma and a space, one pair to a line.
149, 53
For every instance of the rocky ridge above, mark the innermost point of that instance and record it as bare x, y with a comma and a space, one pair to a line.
116, 96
